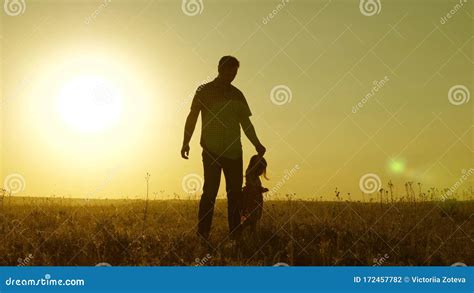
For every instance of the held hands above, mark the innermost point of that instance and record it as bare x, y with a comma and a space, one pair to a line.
185, 151
260, 150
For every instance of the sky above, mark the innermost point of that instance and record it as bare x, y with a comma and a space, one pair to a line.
345, 95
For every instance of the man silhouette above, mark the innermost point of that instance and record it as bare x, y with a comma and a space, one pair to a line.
223, 111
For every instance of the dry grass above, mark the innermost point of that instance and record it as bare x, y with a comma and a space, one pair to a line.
79, 232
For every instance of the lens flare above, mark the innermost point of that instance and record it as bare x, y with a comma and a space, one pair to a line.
397, 166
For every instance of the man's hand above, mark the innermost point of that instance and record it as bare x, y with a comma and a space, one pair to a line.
188, 132
260, 150
185, 151
249, 130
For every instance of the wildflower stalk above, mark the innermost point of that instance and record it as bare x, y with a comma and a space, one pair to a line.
145, 212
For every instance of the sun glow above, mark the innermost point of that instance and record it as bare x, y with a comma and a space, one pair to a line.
89, 103
87, 108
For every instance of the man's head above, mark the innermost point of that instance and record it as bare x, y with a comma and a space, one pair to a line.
228, 66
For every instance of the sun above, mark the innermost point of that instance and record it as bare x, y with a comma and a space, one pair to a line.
89, 103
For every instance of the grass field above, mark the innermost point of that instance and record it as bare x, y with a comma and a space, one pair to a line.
55, 231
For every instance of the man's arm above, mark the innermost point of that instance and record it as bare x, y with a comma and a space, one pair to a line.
249, 131
188, 132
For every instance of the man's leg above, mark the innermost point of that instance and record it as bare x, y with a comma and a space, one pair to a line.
233, 172
212, 178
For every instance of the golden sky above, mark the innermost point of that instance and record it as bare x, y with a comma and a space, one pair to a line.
338, 90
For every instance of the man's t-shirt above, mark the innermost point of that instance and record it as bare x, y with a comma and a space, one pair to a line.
222, 107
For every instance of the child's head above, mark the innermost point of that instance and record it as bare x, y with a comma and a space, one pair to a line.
257, 167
